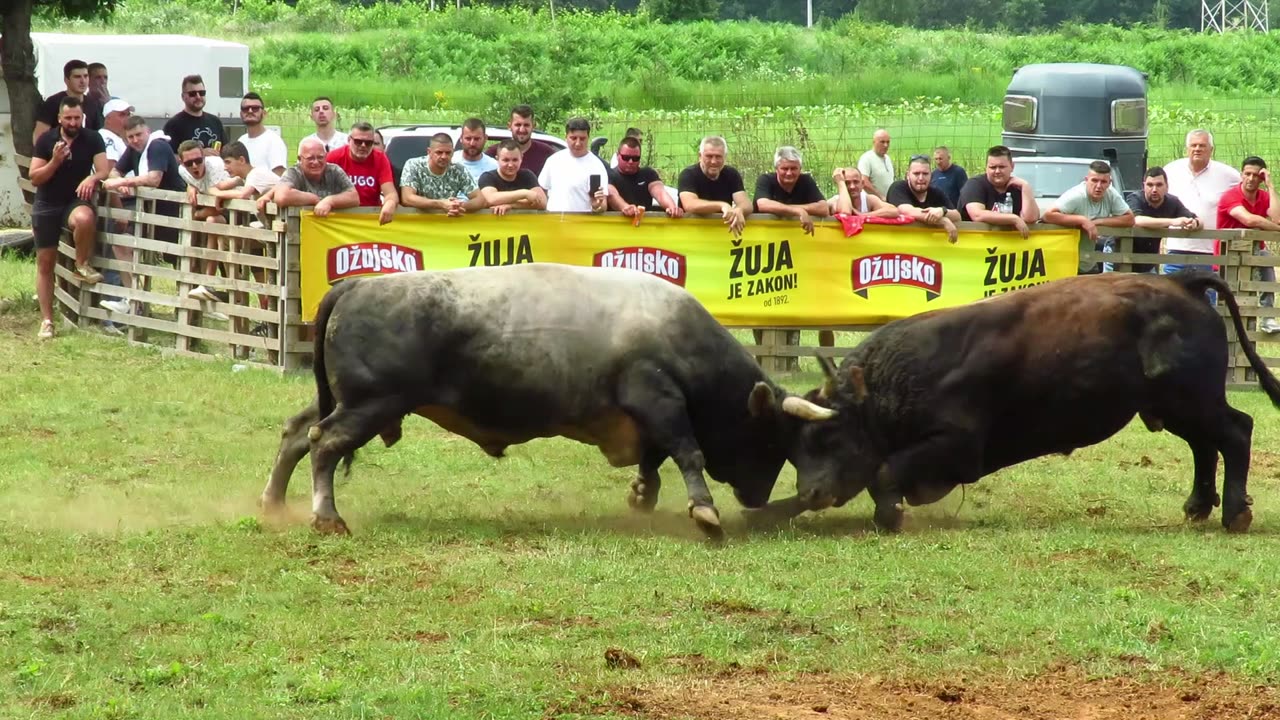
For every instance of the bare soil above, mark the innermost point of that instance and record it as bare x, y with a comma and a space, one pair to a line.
1065, 694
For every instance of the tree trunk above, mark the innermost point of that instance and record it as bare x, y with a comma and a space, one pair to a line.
18, 58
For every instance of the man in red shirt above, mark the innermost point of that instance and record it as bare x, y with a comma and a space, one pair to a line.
1248, 205
369, 170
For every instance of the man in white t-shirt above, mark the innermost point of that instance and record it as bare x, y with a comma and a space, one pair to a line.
875, 165
324, 115
471, 155
576, 180
1199, 182
266, 149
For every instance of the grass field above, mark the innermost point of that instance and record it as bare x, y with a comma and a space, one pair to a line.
137, 580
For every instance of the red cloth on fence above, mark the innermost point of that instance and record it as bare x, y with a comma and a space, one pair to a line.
853, 223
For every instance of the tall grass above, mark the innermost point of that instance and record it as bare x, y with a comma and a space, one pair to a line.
614, 60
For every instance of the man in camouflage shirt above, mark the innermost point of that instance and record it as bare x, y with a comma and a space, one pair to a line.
435, 182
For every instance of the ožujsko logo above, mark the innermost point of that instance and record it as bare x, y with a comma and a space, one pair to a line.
662, 263
897, 269
372, 259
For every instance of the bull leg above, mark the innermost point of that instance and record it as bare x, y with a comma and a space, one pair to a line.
779, 511
644, 489
1236, 447
926, 471
1204, 492
650, 397
346, 430
294, 446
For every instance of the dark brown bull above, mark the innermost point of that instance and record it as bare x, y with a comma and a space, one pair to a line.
944, 398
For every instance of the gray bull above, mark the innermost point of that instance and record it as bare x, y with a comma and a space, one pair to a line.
615, 358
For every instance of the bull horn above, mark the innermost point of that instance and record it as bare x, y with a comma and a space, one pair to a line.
828, 369
801, 408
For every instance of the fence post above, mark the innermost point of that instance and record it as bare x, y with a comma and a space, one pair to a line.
1237, 274
293, 332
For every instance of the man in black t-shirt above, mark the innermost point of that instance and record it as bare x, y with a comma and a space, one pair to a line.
711, 187
634, 189
67, 164
1156, 209
921, 201
75, 74
193, 123
787, 192
510, 185
999, 198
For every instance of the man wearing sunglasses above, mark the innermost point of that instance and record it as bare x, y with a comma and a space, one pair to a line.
266, 148
633, 189
193, 123
369, 170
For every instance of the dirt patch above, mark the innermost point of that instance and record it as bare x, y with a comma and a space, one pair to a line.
1059, 695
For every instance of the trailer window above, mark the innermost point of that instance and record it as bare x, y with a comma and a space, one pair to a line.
1020, 113
1129, 116
231, 82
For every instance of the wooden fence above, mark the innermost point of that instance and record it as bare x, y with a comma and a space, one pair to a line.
261, 325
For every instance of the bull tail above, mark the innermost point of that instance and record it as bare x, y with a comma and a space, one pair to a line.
1196, 283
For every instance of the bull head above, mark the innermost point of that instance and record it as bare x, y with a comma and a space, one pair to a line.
857, 381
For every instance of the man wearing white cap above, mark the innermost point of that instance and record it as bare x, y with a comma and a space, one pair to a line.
114, 114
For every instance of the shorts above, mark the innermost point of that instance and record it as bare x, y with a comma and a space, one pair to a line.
47, 223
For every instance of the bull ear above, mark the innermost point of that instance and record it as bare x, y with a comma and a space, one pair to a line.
829, 369
761, 402
858, 383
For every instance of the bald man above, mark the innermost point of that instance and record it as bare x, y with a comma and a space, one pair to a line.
314, 181
875, 165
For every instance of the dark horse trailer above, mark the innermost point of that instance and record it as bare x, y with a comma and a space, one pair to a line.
1083, 110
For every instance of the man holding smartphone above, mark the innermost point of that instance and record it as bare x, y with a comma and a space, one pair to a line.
575, 178
67, 166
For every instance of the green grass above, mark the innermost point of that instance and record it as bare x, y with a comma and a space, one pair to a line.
137, 581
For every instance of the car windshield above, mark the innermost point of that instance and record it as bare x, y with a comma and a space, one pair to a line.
1051, 179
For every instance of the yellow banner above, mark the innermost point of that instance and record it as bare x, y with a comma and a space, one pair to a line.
773, 276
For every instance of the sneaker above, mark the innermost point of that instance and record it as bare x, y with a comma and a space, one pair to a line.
88, 275
112, 329
201, 292
117, 306
259, 330
215, 315
1269, 325
46, 330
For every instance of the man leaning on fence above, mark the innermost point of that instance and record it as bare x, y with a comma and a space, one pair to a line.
207, 175
1090, 205
511, 185
788, 192
710, 187
921, 201
369, 170
633, 189
316, 182
435, 182
1199, 182
1254, 205
998, 197
1156, 209
67, 165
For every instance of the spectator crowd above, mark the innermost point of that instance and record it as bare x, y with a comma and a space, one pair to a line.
86, 138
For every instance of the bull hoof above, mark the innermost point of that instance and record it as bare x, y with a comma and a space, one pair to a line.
708, 520
889, 519
639, 500
1198, 510
1241, 522
271, 507
329, 525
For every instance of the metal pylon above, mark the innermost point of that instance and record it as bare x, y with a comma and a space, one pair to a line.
1224, 15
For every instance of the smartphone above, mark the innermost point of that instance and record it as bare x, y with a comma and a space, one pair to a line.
595, 185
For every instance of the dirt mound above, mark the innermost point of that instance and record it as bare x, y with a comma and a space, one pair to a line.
1060, 695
